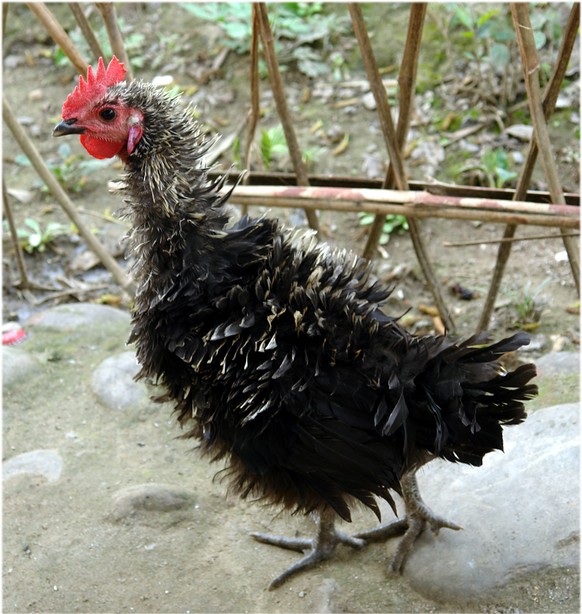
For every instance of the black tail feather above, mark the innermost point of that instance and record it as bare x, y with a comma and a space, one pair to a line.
468, 397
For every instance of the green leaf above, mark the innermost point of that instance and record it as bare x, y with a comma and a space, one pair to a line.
539, 39
504, 176
237, 30
499, 55
487, 16
33, 224
463, 16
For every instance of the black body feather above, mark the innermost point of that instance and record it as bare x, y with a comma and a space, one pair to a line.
275, 348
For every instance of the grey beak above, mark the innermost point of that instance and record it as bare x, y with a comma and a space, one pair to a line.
67, 126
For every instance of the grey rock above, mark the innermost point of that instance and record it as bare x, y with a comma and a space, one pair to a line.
521, 132
113, 383
537, 343
517, 157
47, 463
369, 101
469, 147
16, 364
150, 497
81, 316
430, 153
558, 363
563, 102
519, 511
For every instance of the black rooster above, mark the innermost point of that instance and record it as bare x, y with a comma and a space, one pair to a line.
275, 348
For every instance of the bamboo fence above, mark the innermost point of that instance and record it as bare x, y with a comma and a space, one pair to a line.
394, 194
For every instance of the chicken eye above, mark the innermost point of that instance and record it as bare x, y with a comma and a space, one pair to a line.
107, 114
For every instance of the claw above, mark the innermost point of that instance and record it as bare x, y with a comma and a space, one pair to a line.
418, 515
323, 545
315, 550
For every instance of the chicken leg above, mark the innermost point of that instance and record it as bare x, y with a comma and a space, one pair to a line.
418, 516
316, 549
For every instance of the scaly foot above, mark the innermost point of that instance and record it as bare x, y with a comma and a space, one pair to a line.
418, 516
317, 549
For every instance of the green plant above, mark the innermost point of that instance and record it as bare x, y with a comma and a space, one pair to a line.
134, 45
528, 305
488, 38
496, 166
233, 18
489, 31
494, 169
311, 155
35, 238
303, 32
393, 224
71, 170
272, 144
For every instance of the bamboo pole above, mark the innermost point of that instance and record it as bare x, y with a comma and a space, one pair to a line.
4, 19
254, 110
24, 282
531, 67
107, 10
406, 81
550, 97
387, 127
410, 203
49, 179
58, 34
87, 30
513, 240
282, 109
438, 189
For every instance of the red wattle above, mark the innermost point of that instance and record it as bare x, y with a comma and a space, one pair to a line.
99, 148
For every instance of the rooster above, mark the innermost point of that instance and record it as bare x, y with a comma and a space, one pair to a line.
274, 348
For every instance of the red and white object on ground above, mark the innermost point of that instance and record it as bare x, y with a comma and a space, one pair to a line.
12, 333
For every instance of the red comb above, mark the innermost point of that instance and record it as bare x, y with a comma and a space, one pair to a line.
95, 86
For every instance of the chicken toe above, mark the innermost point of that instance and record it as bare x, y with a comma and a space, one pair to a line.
316, 549
418, 517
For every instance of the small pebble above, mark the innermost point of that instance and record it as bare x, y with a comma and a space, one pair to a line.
47, 463
369, 101
35, 95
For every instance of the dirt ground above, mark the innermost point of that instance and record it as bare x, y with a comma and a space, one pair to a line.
108, 575
138, 522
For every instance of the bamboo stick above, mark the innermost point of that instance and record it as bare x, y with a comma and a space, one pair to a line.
387, 127
531, 68
410, 203
4, 19
438, 189
49, 179
282, 109
254, 82
406, 81
24, 282
58, 34
513, 240
549, 103
109, 15
254, 110
87, 30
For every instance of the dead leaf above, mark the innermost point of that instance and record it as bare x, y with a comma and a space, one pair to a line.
438, 325
110, 299
428, 310
23, 196
342, 146
573, 309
